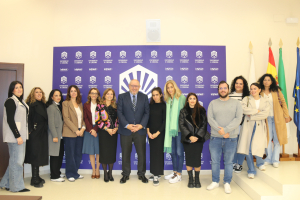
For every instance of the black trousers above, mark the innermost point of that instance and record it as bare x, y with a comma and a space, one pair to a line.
140, 147
56, 161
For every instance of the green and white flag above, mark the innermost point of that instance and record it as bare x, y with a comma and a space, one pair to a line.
281, 81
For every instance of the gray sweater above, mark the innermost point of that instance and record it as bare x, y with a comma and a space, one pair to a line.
227, 114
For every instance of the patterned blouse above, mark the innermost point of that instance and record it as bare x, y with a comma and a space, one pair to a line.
106, 116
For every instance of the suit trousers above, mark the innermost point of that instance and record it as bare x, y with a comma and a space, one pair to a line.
140, 147
56, 161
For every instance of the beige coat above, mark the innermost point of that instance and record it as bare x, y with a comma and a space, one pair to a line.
261, 135
280, 113
70, 119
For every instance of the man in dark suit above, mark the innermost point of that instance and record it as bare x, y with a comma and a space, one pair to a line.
133, 114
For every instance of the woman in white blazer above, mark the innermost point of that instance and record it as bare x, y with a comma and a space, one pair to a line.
254, 133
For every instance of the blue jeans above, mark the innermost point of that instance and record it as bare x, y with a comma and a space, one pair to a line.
216, 147
272, 156
249, 157
13, 177
238, 158
177, 153
73, 150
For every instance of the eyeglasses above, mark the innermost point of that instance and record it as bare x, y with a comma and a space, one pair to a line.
94, 93
134, 86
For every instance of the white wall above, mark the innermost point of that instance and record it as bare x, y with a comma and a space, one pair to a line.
29, 29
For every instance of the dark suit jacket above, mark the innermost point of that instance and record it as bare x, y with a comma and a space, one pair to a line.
87, 117
127, 115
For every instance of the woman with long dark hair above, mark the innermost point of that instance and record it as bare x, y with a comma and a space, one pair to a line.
91, 139
55, 140
238, 90
277, 119
15, 134
73, 130
37, 151
193, 126
253, 138
156, 134
108, 125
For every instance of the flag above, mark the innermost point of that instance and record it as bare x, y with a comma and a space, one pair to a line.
282, 84
271, 66
296, 95
252, 78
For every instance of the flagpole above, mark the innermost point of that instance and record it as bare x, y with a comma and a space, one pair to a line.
297, 157
283, 154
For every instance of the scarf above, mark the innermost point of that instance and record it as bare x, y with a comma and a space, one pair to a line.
171, 122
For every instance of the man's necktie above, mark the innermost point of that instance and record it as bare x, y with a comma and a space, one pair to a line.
133, 102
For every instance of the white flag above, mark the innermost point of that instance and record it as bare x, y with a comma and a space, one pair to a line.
252, 78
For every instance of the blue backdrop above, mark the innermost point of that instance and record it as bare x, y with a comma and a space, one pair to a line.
196, 69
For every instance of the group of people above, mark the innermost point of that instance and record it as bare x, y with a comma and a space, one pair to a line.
243, 124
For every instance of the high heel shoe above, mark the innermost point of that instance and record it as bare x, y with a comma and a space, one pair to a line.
93, 176
98, 176
106, 176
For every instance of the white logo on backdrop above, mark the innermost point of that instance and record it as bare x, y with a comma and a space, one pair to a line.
64, 55
199, 79
199, 54
136, 156
169, 54
153, 54
201, 103
120, 156
138, 54
146, 85
184, 79
92, 79
77, 79
214, 79
78, 55
168, 156
214, 54
107, 79
169, 78
122, 54
93, 54
184, 54
107, 54
63, 80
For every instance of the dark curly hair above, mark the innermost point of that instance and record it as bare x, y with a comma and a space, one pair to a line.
50, 100
196, 115
273, 87
246, 91
158, 89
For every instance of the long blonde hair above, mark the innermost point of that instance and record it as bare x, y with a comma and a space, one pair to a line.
113, 101
30, 99
177, 90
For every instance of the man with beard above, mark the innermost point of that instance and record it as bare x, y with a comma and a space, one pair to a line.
224, 117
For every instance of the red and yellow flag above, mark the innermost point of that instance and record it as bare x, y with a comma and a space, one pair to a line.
271, 66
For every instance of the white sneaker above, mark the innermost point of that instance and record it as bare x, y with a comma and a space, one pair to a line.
176, 178
212, 186
227, 188
167, 177
262, 168
80, 177
251, 176
71, 179
267, 163
155, 181
62, 176
58, 180
276, 164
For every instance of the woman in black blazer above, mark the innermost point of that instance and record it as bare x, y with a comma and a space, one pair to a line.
193, 126
37, 145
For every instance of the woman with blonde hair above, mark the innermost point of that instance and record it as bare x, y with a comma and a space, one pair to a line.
91, 139
37, 151
107, 122
172, 144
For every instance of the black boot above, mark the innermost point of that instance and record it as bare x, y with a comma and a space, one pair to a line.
197, 180
191, 181
38, 172
35, 180
104, 166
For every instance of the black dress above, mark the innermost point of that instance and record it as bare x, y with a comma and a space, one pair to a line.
157, 120
37, 152
107, 143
